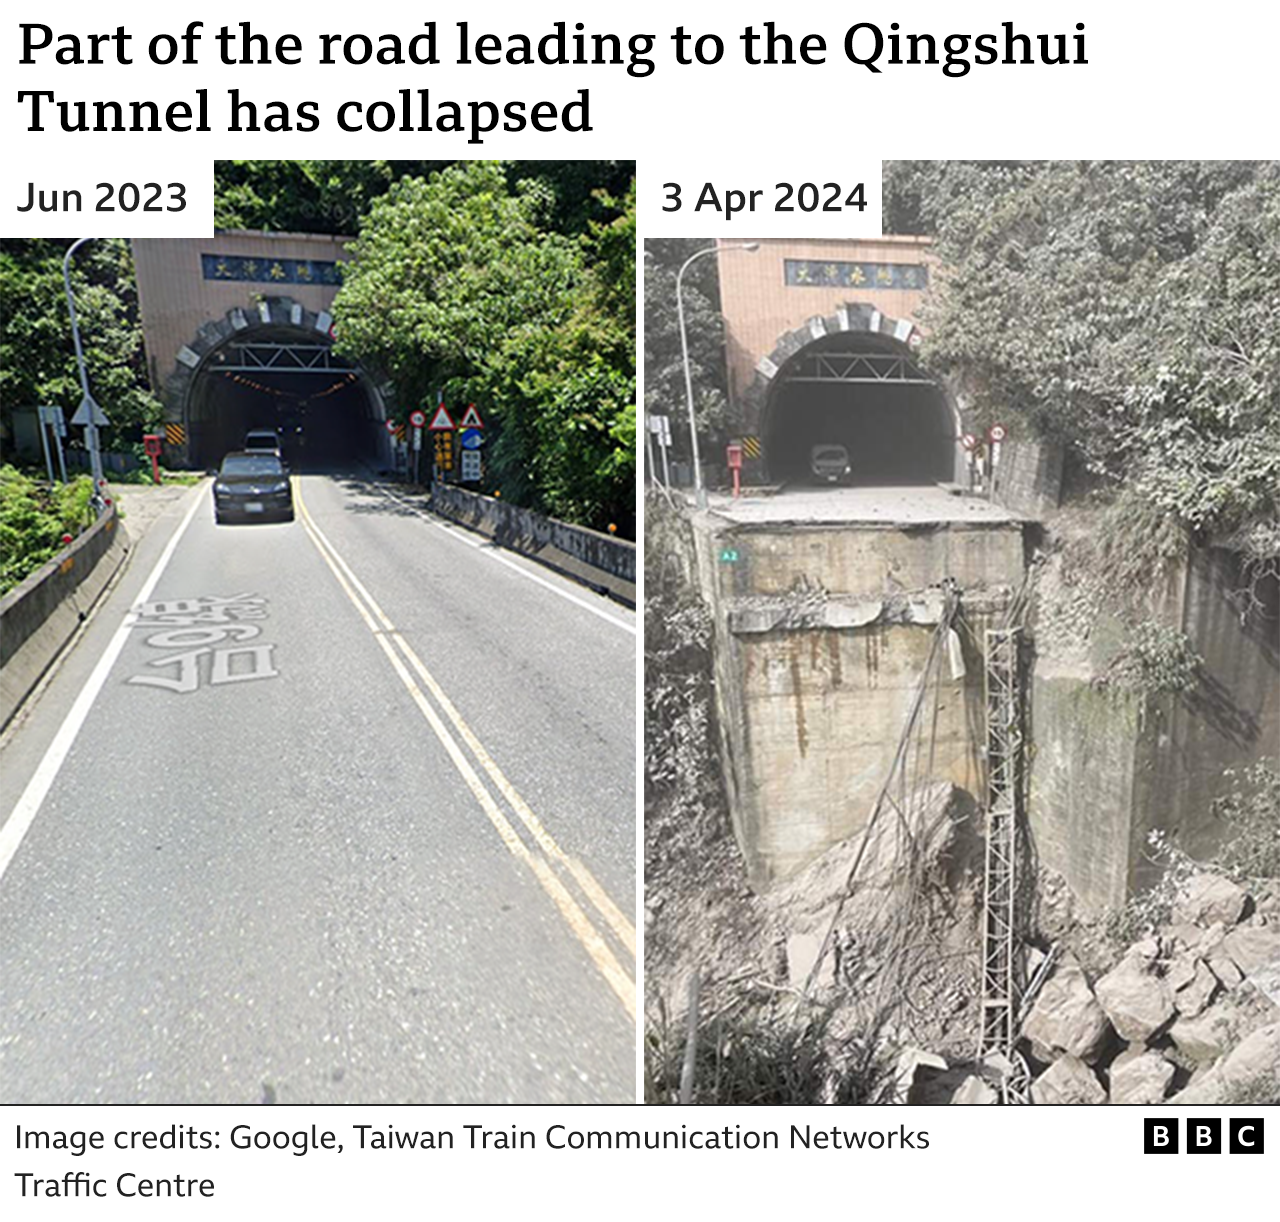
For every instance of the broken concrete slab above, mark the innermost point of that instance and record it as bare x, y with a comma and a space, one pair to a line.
1068, 1080
803, 948
1135, 999
1140, 1075
1066, 1016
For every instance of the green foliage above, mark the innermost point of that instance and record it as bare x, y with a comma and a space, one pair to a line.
456, 285
1130, 309
33, 519
332, 196
37, 355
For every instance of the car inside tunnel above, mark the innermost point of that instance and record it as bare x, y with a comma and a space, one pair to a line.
864, 393
323, 408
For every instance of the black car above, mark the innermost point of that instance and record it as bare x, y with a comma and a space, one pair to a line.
252, 486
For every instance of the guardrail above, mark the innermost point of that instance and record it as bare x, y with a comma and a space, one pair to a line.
598, 560
39, 616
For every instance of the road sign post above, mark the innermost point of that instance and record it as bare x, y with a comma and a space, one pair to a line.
417, 421
91, 425
995, 435
44, 442
660, 427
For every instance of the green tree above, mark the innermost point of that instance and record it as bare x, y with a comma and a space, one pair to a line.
457, 284
37, 356
332, 196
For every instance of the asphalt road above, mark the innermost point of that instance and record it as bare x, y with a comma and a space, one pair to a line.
365, 832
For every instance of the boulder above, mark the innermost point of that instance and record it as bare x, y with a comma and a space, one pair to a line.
1135, 999
1249, 1073
974, 1090
1140, 1076
1181, 971
1225, 970
1253, 947
1184, 934
1210, 898
1068, 1080
1192, 997
910, 1061
1223, 1026
1066, 1017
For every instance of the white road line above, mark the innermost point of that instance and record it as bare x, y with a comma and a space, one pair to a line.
457, 532
28, 806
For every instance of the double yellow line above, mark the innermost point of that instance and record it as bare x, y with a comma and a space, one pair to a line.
540, 853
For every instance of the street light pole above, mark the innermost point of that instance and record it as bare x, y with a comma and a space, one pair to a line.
700, 493
91, 429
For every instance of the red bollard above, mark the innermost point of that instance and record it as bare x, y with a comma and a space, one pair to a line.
151, 443
733, 456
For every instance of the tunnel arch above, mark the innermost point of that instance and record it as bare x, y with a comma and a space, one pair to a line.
853, 378
270, 363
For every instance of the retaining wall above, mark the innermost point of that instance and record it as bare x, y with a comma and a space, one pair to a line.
38, 617
600, 561
811, 702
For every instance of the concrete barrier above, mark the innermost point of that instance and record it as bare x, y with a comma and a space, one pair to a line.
600, 561
39, 617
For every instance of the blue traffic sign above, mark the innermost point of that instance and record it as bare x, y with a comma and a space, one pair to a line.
471, 439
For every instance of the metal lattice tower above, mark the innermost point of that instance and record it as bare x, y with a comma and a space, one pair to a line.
1004, 755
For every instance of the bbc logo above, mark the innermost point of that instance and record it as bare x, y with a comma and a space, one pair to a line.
1204, 1135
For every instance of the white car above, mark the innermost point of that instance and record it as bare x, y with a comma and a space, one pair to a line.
262, 441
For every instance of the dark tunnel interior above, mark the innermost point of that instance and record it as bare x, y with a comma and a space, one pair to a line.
896, 433
324, 418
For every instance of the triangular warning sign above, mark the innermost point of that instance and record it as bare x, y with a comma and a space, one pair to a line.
441, 422
471, 419
89, 413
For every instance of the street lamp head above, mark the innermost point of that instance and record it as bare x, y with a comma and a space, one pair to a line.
751, 246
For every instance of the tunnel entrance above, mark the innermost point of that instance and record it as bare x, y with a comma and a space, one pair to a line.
289, 379
863, 391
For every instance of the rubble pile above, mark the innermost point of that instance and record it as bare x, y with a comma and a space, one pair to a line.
1189, 1014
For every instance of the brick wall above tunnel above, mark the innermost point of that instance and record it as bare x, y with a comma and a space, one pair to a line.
774, 293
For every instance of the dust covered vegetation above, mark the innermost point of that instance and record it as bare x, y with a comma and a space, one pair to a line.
1129, 310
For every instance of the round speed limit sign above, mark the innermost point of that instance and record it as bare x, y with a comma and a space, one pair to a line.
417, 419
997, 432
969, 441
